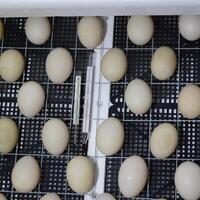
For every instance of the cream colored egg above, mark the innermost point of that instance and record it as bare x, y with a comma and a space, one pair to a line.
30, 98
132, 176
25, 174
163, 140
50, 196
9, 134
90, 31
163, 63
1, 29
11, 65
138, 96
55, 136
114, 65
188, 101
189, 27
2, 197
106, 196
187, 180
140, 29
110, 136
59, 65
80, 174
37, 29
162, 199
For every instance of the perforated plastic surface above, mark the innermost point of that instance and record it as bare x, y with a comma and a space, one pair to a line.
164, 108
59, 104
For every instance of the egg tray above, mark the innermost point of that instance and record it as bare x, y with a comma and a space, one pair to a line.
59, 103
164, 109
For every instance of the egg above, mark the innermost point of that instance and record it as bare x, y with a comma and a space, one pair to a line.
140, 29
163, 63
55, 136
132, 176
30, 98
2, 197
163, 140
187, 180
50, 196
25, 174
59, 65
90, 31
9, 134
114, 65
188, 101
110, 136
11, 65
37, 29
106, 196
189, 27
138, 96
80, 174
1, 29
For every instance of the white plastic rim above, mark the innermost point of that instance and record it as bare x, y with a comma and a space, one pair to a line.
23, 8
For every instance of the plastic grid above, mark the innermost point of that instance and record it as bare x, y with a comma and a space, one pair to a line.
138, 128
15, 35
8, 101
189, 66
35, 60
6, 163
58, 104
29, 140
189, 140
64, 26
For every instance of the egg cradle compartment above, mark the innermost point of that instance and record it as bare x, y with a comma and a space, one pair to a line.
164, 108
59, 103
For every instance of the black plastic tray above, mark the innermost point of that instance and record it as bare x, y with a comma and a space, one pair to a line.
59, 101
164, 109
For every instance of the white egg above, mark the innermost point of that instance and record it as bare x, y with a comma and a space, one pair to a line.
163, 140
90, 31
55, 136
106, 196
189, 27
2, 197
50, 196
80, 174
163, 63
138, 96
162, 199
187, 180
9, 134
59, 65
1, 30
110, 136
37, 29
25, 174
30, 98
11, 65
114, 64
140, 29
132, 176
188, 101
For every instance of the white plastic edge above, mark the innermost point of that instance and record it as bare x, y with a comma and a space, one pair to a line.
100, 108
23, 8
